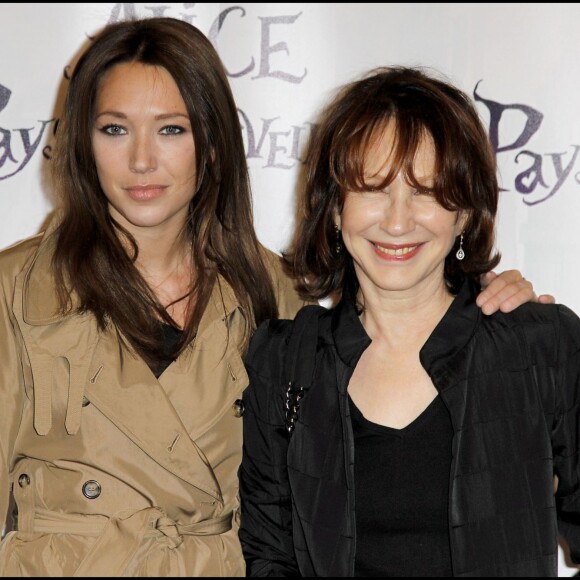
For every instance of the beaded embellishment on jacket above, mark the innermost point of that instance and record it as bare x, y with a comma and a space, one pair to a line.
293, 396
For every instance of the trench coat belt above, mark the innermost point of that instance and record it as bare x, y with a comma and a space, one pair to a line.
119, 537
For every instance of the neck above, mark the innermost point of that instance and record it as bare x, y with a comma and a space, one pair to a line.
404, 319
165, 263
163, 247
160, 257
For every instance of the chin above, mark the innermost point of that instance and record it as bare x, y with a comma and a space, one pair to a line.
394, 285
144, 219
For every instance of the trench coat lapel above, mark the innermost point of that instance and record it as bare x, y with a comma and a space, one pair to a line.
117, 382
124, 389
212, 369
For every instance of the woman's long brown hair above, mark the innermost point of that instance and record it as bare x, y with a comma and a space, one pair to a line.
90, 259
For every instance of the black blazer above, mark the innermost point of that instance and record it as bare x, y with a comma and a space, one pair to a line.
511, 383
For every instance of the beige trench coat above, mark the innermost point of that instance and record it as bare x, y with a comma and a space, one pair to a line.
115, 472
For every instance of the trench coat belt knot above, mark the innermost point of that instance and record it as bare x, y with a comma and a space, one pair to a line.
119, 537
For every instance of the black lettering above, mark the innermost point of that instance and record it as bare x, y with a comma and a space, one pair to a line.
188, 17
122, 11
528, 180
253, 149
5, 93
217, 26
297, 141
533, 120
562, 173
267, 49
274, 148
5, 148
157, 10
29, 148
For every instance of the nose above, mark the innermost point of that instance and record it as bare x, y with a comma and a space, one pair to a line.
399, 212
142, 156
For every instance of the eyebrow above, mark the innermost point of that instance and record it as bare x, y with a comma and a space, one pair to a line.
161, 117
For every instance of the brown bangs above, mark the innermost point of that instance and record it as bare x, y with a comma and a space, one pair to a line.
350, 148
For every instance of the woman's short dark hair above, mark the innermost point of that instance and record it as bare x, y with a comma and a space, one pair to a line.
420, 104
89, 257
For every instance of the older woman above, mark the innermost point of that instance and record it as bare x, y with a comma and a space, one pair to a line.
402, 433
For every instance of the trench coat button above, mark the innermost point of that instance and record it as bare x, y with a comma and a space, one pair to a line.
86, 402
24, 480
91, 489
238, 408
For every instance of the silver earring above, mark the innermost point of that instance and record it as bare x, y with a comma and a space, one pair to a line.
460, 253
338, 241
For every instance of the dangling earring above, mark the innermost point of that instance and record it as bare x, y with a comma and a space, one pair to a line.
460, 253
338, 241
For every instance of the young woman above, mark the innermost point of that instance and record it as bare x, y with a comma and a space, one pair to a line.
402, 433
122, 329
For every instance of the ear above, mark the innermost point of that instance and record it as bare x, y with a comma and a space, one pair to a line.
337, 218
462, 221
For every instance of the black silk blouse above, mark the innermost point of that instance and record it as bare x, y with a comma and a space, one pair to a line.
511, 385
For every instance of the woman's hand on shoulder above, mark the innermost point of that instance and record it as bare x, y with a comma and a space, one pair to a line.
507, 291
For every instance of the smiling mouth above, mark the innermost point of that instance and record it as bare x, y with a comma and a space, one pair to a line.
397, 252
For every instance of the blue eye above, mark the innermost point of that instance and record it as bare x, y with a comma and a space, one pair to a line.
113, 130
172, 130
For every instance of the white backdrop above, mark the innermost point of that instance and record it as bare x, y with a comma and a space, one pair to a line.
520, 62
